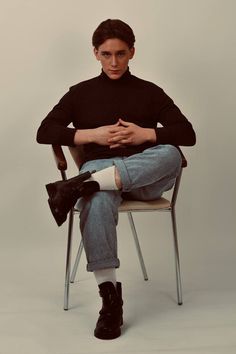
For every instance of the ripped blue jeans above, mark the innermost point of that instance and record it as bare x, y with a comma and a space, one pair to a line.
144, 176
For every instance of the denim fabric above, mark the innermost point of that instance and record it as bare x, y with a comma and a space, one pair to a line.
144, 176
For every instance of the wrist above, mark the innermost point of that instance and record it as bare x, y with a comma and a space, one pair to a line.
83, 136
151, 135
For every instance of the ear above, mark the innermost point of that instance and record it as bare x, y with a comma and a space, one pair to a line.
132, 52
95, 51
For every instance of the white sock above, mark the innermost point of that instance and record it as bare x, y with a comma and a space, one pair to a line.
105, 178
103, 275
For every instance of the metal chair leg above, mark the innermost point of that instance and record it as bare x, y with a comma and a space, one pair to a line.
68, 261
177, 263
77, 259
136, 240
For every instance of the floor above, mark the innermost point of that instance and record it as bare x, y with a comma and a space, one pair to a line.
32, 319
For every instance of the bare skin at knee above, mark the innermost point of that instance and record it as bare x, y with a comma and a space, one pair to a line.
118, 179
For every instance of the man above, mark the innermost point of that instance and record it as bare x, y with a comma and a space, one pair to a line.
115, 118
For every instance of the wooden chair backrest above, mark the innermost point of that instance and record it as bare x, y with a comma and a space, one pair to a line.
77, 154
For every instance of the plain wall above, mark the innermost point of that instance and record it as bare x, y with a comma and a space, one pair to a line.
188, 48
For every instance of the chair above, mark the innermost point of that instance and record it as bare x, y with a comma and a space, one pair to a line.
127, 206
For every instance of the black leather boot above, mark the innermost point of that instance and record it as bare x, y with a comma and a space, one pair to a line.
111, 314
64, 194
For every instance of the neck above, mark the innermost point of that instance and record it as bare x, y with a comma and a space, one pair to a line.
125, 76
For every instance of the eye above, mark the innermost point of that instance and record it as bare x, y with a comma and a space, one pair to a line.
121, 54
106, 55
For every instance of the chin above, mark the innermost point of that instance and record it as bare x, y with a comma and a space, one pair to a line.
115, 76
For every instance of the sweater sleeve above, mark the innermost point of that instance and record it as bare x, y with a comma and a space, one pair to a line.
175, 128
54, 128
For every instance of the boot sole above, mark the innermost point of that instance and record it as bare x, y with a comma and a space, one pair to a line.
113, 335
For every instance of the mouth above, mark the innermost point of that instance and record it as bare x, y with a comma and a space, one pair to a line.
115, 72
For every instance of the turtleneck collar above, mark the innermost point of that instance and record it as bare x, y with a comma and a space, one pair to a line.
126, 76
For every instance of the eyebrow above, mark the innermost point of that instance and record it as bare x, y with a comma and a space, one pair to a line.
123, 51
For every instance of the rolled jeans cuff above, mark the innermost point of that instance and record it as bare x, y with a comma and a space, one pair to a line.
124, 175
103, 264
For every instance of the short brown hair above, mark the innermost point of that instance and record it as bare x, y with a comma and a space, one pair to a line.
113, 29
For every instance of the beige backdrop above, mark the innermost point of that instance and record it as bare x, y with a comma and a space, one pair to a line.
188, 48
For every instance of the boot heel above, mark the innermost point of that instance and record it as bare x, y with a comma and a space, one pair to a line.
51, 189
59, 217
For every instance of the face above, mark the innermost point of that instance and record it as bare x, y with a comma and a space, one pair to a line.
114, 56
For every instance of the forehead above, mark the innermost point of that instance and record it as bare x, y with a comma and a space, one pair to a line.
113, 45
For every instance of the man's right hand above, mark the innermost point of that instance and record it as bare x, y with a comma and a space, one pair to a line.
100, 135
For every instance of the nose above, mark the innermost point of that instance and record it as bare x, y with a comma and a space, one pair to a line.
114, 61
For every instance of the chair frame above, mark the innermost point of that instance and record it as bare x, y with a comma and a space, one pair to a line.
169, 206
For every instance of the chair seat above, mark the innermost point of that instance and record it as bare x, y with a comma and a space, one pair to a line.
138, 205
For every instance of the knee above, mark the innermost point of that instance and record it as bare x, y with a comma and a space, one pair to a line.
173, 152
167, 152
170, 158
175, 158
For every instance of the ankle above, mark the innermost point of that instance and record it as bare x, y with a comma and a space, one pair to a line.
105, 275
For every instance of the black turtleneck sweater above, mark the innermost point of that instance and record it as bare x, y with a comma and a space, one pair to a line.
101, 101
